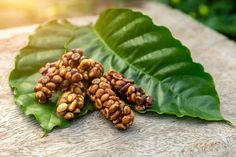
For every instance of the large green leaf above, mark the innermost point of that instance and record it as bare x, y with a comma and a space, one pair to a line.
45, 45
130, 43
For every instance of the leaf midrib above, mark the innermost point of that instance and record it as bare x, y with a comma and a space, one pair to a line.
112, 51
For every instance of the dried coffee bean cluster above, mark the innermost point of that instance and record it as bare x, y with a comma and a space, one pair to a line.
72, 101
72, 59
130, 91
61, 74
77, 76
49, 82
90, 69
109, 104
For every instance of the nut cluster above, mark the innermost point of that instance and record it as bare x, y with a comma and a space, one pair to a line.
72, 59
130, 91
49, 82
78, 76
109, 104
90, 69
72, 101
67, 74
64, 72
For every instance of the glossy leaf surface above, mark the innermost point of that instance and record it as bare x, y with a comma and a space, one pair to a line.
130, 43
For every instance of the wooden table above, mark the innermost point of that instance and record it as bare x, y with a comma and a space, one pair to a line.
151, 135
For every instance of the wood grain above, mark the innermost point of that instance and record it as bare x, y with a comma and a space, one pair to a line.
151, 135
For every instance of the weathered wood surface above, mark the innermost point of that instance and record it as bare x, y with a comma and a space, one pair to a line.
151, 135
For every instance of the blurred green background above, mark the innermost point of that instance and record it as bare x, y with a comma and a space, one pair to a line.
217, 14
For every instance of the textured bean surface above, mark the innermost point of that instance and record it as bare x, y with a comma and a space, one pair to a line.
150, 135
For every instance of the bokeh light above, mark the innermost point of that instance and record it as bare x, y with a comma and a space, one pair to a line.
25, 12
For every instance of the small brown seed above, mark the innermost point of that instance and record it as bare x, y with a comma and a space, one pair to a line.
132, 97
77, 90
57, 79
68, 75
71, 97
80, 104
92, 74
108, 103
104, 85
42, 70
61, 113
149, 100
103, 79
93, 89
131, 90
99, 93
38, 87
62, 107
117, 87
108, 77
125, 88
85, 76
110, 92
65, 84
122, 105
139, 107
105, 104
128, 81
138, 94
115, 115
80, 101
51, 85
71, 63
113, 81
96, 81
98, 103
113, 108
44, 80
76, 77
52, 71
120, 126
40, 96
47, 91
127, 110
104, 97
115, 98
138, 100
84, 64
120, 83
69, 115
78, 50
62, 71
67, 54
116, 121
105, 112
72, 105
64, 61
77, 110
63, 100
66, 94
118, 76
126, 119
75, 56
92, 97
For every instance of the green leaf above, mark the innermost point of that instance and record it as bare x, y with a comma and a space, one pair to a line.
45, 45
130, 43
